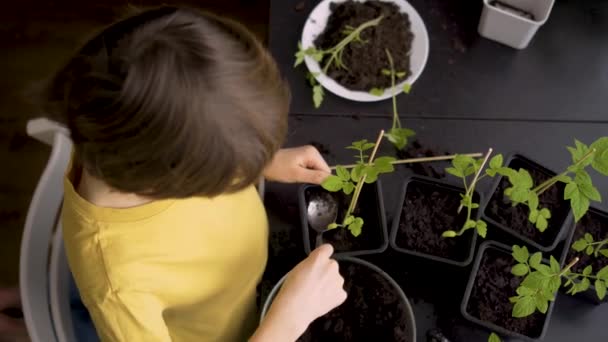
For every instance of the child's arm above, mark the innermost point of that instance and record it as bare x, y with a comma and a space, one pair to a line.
297, 165
311, 289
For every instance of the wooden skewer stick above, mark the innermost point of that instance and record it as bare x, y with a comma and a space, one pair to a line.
417, 160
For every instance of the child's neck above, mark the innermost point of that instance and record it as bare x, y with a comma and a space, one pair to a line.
100, 194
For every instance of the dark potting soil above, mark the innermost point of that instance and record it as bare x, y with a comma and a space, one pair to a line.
367, 208
428, 211
502, 211
416, 150
493, 286
365, 61
596, 225
373, 311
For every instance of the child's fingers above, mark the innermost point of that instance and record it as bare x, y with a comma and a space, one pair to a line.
324, 251
315, 161
9, 298
10, 325
311, 176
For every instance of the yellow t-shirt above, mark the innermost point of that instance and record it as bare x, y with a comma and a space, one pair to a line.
171, 270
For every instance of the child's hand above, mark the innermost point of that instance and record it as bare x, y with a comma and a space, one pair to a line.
297, 165
311, 289
9, 326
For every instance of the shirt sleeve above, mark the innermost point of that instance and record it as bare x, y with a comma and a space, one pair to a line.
130, 316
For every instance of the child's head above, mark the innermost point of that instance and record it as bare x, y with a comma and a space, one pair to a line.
172, 103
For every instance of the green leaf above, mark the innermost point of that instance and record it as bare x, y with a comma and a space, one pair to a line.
524, 291
469, 224
588, 237
482, 228
343, 173
299, 58
349, 220
584, 285
579, 152
603, 274
496, 161
462, 162
532, 200
541, 223
600, 289
570, 191
604, 252
317, 95
535, 280
535, 260
519, 194
524, 179
401, 74
554, 284
317, 56
544, 270
386, 72
520, 270
533, 217
589, 191
333, 226
579, 245
367, 146
371, 174
587, 271
384, 164
541, 304
377, 91
494, 338
589, 250
600, 160
348, 188
449, 234
580, 205
544, 212
332, 183
454, 171
555, 268
407, 88
520, 254
355, 227
357, 172
399, 136
524, 307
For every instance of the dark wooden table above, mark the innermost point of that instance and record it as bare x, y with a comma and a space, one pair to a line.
473, 94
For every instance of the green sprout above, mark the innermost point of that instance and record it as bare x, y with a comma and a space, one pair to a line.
463, 167
494, 338
591, 247
542, 281
397, 135
351, 182
579, 186
335, 56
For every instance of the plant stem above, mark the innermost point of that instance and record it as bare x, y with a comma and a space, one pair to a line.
335, 51
551, 181
599, 247
355, 198
396, 121
418, 160
568, 267
471, 188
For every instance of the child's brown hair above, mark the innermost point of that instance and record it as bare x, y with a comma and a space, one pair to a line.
172, 103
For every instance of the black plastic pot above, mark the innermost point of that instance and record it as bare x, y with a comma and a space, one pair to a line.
576, 233
410, 331
370, 207
469, 238
559, 222
495, 247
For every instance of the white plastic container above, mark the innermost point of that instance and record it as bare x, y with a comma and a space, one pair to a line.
511, 29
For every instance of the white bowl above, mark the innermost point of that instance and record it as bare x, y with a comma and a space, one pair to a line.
315, 24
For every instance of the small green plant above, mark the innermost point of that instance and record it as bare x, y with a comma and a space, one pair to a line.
579, 187
334, 56
494, 338
542, 281
397, 135
464, 167
591, 247
351, 182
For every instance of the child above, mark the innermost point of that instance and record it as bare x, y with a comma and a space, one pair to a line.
174, 114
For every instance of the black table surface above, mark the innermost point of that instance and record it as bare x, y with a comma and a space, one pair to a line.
561, 76
473, 94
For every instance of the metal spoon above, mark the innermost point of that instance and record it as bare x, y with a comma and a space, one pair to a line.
322, 210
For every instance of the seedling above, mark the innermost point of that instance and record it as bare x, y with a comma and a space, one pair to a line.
579, 187
542, 281
351, 182
591, 247
397, 134
494, 338
463, 167
331, 56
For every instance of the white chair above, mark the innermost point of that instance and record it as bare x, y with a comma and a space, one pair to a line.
44, 275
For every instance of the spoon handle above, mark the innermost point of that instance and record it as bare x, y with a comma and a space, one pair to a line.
319, 240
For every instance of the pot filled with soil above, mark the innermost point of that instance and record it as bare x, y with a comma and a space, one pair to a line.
426, 209
345, 45
376, 308
486, 299
589, 242
500, 211
370, 207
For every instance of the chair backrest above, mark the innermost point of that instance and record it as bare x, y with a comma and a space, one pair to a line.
45, 301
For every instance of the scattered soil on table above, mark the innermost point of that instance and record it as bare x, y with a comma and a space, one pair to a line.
373, 311
596, 225
493, 286
416, 150
341, 239
502, 211
365, 61
428, 211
